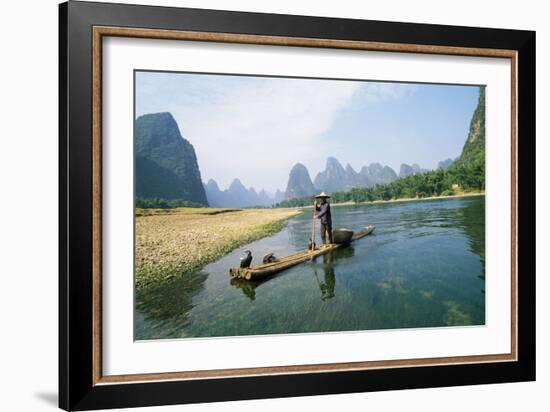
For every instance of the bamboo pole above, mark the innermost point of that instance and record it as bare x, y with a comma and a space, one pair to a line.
313, 228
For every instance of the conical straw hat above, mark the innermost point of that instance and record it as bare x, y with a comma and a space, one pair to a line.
323, 194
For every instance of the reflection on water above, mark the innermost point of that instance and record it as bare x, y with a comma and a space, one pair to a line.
424, 266
326, 287
473, 223
165, 309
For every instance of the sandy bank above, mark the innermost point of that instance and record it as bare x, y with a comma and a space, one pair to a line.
168, 245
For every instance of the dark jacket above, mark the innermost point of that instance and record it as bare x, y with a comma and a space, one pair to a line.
324, 213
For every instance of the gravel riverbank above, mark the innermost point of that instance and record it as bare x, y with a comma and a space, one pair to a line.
168, 245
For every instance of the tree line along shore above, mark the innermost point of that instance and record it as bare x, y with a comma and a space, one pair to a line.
459, 179
404, 199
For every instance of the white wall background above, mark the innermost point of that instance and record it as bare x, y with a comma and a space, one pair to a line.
28, 206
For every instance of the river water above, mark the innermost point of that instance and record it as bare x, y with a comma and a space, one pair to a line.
424, 266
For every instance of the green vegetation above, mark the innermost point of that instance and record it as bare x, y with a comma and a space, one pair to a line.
160, 203
467, 174
184, 211
475, 145
455, 315
159, 206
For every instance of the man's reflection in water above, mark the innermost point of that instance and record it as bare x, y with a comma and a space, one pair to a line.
327, 287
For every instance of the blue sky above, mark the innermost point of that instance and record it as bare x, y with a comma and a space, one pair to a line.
257, 128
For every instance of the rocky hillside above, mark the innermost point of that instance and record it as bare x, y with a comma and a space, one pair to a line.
374, 174
335, 177
445, 163
474, 148
166, 164
299, 183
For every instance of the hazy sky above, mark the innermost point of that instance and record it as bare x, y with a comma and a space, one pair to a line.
257, 128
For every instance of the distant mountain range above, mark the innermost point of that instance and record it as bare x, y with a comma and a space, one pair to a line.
237, 195
407, 170
336, 178
167, 168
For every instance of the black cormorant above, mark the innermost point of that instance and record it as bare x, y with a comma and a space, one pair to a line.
246, 260
270, 257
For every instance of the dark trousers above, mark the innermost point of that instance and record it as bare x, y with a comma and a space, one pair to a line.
326, 228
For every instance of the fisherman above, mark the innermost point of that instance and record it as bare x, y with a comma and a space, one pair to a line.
323, 213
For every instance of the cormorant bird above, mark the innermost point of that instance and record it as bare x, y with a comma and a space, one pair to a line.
310, 244
246, 259
270, 257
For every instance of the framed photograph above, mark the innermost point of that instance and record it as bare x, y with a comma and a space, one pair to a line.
256, 205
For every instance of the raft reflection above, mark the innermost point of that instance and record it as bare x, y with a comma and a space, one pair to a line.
327, 287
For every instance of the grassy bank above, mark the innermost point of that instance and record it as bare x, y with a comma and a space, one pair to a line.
416, 199
184, 211
405, 199
169, 244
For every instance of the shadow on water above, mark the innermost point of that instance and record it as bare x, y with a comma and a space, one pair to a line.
326, 286
472, 220
166, 307
473, 223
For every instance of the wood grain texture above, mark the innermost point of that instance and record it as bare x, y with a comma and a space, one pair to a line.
296, 369
298, 42
514, 200
101, 31
97, 208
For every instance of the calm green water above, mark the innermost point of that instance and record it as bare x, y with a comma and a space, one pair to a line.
424, 266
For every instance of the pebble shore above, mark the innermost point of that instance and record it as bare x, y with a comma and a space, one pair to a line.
169, 245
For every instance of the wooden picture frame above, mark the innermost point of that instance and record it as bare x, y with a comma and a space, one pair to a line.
82, 384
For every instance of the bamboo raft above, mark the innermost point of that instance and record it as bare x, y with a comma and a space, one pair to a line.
268, 269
